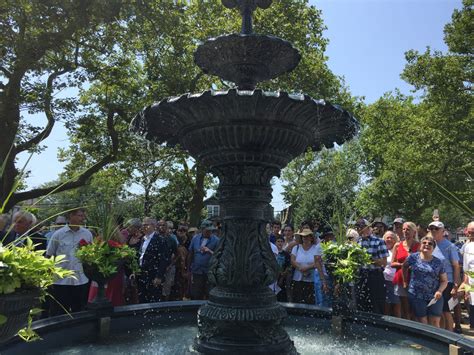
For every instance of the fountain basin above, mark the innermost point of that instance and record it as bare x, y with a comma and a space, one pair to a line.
169, 328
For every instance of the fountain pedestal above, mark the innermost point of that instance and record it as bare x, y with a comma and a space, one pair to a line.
242, 314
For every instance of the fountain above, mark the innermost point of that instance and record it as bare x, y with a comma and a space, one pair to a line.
245, 136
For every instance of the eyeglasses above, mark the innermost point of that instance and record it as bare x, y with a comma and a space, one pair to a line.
433, 228
428, 243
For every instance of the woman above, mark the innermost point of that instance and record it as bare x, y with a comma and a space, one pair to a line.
288, 234
428, 280
182, 274
306, 257
401, 251
392, 301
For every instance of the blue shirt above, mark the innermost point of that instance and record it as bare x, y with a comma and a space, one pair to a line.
200, 264
376, 248
450, 253
424, 276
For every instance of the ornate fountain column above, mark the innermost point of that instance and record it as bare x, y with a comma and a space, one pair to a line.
245, 136
242, 314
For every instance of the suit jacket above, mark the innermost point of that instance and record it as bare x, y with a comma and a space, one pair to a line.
157, 258
36, 237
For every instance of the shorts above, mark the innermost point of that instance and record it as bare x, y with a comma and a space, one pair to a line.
447, 296
400, 291
418, 306
390, 296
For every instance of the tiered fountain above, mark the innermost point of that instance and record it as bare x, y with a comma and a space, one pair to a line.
245, 136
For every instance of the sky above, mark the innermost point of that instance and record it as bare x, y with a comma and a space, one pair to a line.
367, 42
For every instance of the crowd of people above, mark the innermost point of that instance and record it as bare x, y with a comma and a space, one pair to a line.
415, 273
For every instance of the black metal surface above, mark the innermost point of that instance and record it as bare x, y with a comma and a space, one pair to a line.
246, 59
245, 137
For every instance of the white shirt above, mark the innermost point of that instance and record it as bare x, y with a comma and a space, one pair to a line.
274, 249
304, 258
146, 241
65, 241
468, 265
389, 272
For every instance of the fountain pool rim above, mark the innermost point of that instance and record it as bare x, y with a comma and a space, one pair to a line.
84, 325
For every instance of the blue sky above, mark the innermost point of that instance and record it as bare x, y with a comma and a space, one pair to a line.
368, 39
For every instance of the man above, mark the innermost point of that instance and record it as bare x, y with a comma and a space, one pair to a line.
23, 226
468, 265
58, 223
370, 288
201, 249
451, 265
155, 256
379, 228
71, 293
275, 231
398, 228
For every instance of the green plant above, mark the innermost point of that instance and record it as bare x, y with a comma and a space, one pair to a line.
344, 260
25, 267
107, 256
105, 253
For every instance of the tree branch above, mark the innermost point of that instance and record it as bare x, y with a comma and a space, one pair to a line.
82, 178
47, 110
6, 72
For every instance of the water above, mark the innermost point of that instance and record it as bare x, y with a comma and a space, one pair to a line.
309, 340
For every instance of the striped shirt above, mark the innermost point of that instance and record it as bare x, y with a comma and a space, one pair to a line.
376, 248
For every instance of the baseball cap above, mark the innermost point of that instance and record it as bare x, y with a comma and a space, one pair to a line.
437, 224
398, 220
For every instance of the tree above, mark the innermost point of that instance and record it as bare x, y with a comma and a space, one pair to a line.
47, 47
322, 186
120, 56
411, 145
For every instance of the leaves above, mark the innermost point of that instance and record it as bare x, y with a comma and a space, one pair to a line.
344, 260
24, 267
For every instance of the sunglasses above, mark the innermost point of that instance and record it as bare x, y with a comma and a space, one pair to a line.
428, 243
182, 230
433, 228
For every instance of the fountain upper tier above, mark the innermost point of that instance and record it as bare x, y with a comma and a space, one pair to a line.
231, 127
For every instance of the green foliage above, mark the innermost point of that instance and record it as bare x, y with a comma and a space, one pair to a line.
414, 146
344, 260
25, 267
320, 185
107, 256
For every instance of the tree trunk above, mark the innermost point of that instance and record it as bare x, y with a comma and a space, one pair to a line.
197, 201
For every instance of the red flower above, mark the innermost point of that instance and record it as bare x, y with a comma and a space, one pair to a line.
114, 244
83, 242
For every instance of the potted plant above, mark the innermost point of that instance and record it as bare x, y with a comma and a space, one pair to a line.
343, 260
25, 274
105, 257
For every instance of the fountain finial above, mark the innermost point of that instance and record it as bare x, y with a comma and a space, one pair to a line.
247, 7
